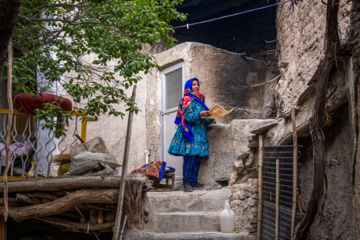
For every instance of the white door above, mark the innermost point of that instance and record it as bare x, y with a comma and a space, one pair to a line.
172, 92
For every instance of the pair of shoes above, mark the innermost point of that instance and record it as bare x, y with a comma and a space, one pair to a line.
188, 188
197, 185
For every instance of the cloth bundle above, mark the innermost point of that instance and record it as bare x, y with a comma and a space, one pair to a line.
154, 169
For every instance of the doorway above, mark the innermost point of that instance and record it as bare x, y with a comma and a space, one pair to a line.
172, 92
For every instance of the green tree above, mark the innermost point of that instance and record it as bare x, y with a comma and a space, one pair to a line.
70, 30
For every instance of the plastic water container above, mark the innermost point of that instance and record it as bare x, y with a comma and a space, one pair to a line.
227, 219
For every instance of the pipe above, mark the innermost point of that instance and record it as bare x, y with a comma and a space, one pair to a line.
147, 154
123, 227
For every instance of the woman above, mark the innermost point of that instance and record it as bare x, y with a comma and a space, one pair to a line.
190, 139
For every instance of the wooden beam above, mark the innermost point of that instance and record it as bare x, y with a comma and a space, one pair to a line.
2, 228
63, 204
119, 209
62, 183
260, 186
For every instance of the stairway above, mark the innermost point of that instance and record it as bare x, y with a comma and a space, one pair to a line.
181, 215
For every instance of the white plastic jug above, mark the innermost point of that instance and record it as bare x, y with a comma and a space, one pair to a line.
227, 219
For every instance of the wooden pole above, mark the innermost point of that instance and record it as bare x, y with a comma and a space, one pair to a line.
295, 155
8, 129
2, 229
117, 227
277, 200
260, 186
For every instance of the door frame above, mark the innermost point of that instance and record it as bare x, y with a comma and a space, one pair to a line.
163, 111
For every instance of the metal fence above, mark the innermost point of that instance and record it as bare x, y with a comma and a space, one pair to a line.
30, 142
285, 156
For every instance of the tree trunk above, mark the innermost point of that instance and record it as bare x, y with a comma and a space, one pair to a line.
63, 204
78, 227
68, 183
9, 10
317, 121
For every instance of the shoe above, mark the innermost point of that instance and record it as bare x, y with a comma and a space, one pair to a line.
197, 185
188, 188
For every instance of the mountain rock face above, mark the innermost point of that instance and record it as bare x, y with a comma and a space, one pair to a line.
300, 38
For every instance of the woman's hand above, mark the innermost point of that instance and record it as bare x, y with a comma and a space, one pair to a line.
205, 114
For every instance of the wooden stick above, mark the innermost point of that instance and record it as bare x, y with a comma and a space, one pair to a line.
117, 227
260, 186
8, 129
78, 227
27, 199
63, 204
277, 200
45, 195
2, 228
295, 144
63, 183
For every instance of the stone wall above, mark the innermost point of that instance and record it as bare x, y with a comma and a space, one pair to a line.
244, 202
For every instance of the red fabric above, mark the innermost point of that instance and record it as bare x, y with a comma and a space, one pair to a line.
28, 104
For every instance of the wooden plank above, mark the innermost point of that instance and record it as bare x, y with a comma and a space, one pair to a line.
263, 128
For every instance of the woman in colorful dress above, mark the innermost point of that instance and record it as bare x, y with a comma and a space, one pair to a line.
190, 139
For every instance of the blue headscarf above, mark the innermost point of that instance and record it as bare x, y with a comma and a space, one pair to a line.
189, 96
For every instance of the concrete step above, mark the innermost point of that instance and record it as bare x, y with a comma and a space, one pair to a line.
185, 222
198, 200
134, 234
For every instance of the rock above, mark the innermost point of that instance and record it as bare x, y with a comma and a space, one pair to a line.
253, 144
239, 168
234, 177
244, 155
242, 195
251, 229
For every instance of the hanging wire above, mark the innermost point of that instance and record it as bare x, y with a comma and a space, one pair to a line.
231, 15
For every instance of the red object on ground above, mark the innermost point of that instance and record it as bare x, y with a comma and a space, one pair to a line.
28, 104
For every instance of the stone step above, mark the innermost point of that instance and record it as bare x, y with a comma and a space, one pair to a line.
185, 222
134, 234
198, 200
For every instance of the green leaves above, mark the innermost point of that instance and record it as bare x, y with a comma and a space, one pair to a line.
57, 38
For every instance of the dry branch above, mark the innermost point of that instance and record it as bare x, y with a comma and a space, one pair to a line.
78, 227
48, 196
63, 204
66, 183
27, 199
8, 129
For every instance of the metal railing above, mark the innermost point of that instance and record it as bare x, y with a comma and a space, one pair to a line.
29, 142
